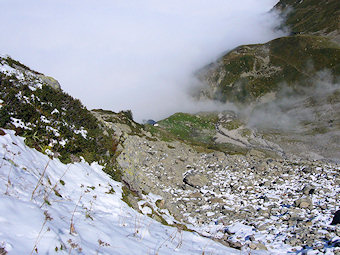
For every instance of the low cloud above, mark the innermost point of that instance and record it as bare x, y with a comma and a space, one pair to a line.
138, 55
299, 108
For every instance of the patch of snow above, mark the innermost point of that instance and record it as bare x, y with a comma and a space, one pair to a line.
44, 119
146, 210
55, 111
55, 131
63, 142
19, 123
81, 131
209, 214
32, 88
53, 208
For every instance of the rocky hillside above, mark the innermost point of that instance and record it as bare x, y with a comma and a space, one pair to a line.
312, 17
287, 90
186, 171
248, 72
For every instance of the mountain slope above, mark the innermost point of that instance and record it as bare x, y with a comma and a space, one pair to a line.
257, 177
48, 207
311, 16
287, 89
51, 120
248, 72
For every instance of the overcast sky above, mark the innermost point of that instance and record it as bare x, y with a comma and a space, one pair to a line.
130, 54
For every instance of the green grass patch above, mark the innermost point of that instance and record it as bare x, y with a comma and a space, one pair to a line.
186, 126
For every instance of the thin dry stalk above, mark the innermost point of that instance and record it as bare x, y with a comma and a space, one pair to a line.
122, 218
3, 161
102, 244
137, 225
74, 245
180, 238
55, 186
47, 218
40, 179
165, 241
8, 180
72, 229
143, 235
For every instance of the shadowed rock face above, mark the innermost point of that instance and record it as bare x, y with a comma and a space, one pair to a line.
336, 218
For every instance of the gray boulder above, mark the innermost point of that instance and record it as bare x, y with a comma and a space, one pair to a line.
53, 83
304, 203
196, 180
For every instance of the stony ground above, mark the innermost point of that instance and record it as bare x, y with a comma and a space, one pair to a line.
282, 202
249, 201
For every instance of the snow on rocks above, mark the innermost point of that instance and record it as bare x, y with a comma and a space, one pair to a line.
47, 207
24, 75
287, 204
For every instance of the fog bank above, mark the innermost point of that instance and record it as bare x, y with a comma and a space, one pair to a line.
138, 55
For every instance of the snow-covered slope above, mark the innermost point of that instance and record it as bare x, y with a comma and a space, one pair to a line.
47, 207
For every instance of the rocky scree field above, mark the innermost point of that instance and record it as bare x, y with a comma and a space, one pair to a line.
245, 200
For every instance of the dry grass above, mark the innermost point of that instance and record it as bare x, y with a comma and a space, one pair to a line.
40, 179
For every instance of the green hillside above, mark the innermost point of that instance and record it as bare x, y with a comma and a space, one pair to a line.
248, 72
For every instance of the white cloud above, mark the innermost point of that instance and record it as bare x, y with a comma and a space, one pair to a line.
130, 54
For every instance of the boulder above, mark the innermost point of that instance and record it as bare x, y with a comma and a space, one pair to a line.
304, 203
196, 180
53, 83
336, 218
308, 189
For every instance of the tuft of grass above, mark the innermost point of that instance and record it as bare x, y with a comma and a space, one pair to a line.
111, 190
40, 235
